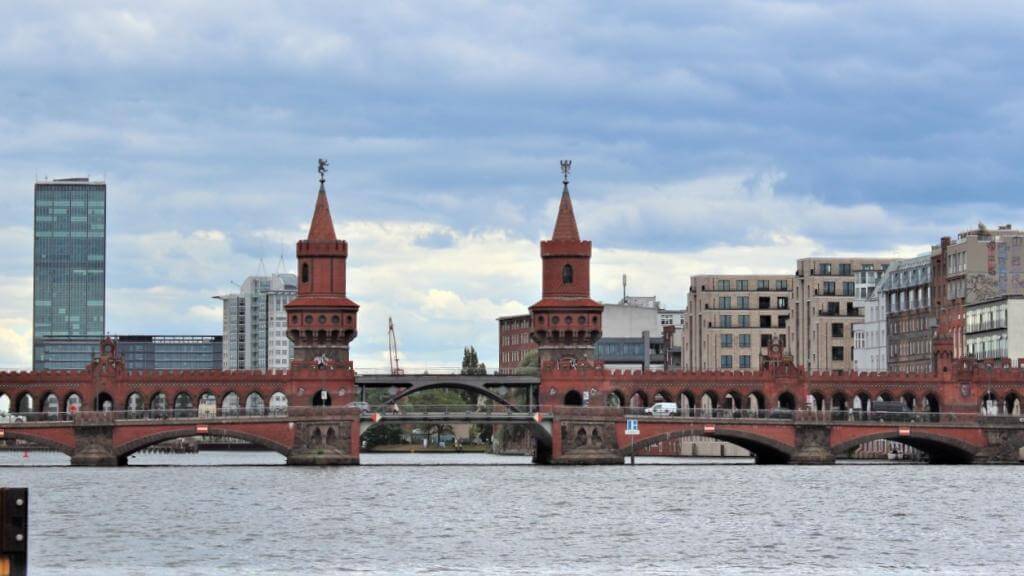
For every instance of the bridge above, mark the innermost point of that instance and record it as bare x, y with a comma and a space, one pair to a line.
564, 435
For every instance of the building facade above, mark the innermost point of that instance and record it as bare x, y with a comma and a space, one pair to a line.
824, 311
256, 324
870, 342
910, 317
513, 341
140, 352
731, 320
69, 271
995, 329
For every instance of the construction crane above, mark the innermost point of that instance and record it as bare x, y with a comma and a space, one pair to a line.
393, 349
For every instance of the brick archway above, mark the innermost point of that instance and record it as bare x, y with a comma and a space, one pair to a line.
940, 449
765, 450
133, 446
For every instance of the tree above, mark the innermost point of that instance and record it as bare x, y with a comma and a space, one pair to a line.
471, 363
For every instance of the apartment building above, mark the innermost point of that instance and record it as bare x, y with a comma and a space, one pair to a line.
731, 320
513, 341
825, 311
910, 316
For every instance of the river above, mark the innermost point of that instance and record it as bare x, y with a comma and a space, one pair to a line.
240, 513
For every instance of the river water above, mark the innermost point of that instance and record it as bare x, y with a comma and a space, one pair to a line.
240, 513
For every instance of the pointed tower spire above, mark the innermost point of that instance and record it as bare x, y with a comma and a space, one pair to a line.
565, 223
321, 229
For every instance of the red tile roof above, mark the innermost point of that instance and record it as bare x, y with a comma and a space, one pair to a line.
322, 227
565, 224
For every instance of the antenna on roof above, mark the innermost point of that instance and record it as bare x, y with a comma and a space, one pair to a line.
623, 287
281, 269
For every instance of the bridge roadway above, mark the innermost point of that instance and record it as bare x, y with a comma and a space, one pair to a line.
563, 435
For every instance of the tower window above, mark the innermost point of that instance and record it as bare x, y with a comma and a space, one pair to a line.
567, 274
305, 273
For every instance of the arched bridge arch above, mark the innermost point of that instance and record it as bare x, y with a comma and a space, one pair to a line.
940, 449
450, 384
36, 438
128, 448
765, 450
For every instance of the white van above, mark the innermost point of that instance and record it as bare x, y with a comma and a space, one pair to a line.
662, 409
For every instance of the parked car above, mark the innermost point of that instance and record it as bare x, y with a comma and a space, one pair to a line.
662, 409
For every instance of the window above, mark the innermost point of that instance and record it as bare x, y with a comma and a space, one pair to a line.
765, 321
824, 269
744, 340
781, 285
766, 340
764, 302
744, 361
828, 288
762, 284
726, 340
742, 285
743, 302
725, 302
723, 285
725, 321
832, 309
726, 362
847, 288
782, 321
567, 274
845, 269
782, 302
305, 273
837, 330
744, 320
837, 353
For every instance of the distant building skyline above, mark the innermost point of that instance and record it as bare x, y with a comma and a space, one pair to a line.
255, 323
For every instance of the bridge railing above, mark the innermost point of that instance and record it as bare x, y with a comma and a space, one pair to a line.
164, 414
446, 371
453, 409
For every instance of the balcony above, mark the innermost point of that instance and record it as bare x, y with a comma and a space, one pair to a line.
985, 326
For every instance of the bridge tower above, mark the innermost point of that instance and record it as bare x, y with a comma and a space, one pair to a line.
321, 320
565, 321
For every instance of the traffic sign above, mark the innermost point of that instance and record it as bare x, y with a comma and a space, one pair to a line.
632, 427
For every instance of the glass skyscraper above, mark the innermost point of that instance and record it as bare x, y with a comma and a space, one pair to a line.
69, 279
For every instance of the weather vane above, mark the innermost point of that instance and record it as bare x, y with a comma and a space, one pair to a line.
566, 167
322, 169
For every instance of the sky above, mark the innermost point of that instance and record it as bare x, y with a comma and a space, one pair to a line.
726, 136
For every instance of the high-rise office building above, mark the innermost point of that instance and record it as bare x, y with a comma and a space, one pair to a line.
69, 272
256, 324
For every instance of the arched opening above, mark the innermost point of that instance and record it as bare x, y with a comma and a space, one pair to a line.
104, 403
989, 404
5, 404
708, 403
26, 403
1011, 404
158, 404
230, 404
920, 446
134, 405
862, 402
163, 447
573, 398
786, 401
278, 403
614, 399
817, 401
638, 400
909, 401
755, 402
254, 404
51, 405
321, 398
305, 272
931, 403
686, 404
884, 397
736, 446
662, 396
207, 407
839, 402
731, 401
567, 274
73, 403
182, 405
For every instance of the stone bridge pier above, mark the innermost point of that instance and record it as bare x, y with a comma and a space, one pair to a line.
581, 436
